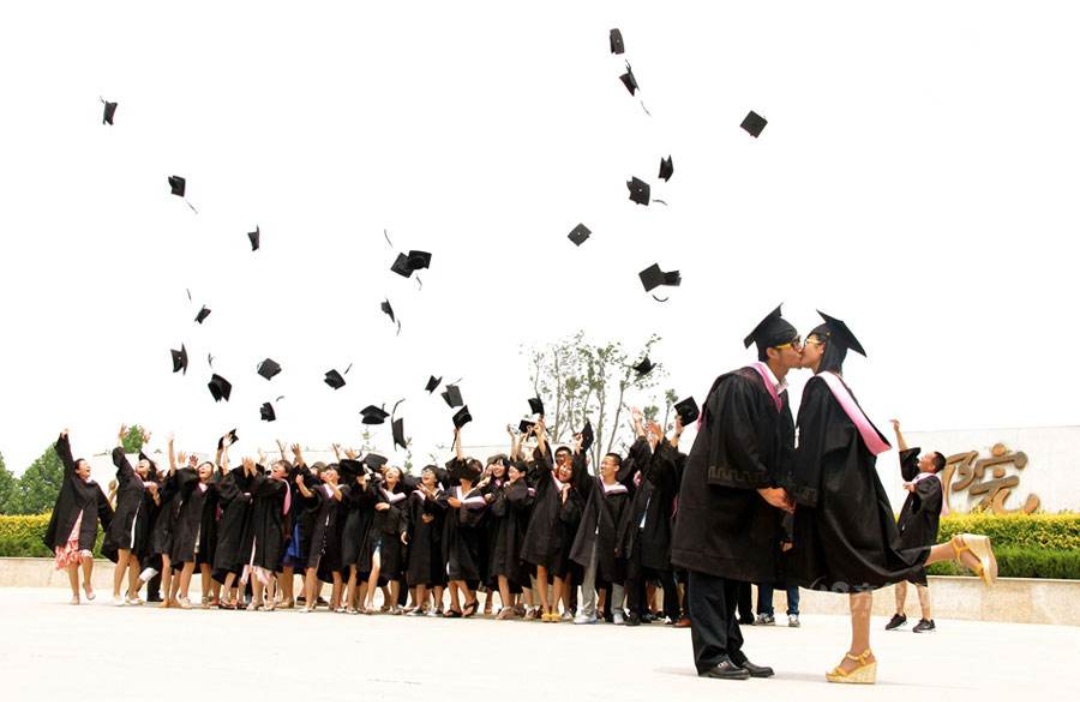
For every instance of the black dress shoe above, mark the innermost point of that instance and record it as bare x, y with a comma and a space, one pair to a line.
633, 619
756, 671
725, 670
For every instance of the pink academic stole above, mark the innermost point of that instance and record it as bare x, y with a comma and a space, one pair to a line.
763, 371
870, 435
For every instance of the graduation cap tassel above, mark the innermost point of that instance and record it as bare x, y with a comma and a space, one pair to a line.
386, 235
192, 207
420, 283
656, 199
645, 108
660, 299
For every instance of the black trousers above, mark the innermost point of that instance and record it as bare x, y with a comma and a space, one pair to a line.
638, 576
714, 629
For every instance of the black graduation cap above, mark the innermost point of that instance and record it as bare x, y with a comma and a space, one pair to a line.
433, 383
639, 190
398, 428
374, 461
754, 123
387, 309
645, 367
772, 331
536, 405
334, 379
526, 425
579, 234
177, 185
203, 314
373, 415
587, 436
452, 395
254, 238
220, 388
266, 412
628, 79
687, 410
110, 111
401, 266
179, 360
269, 368
616, 41
232, 436
462, 417
667, 168
652, 277
840, 334
419, 260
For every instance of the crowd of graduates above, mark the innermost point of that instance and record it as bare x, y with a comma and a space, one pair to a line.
532, 526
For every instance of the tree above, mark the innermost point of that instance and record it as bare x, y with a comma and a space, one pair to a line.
9, 490
577, 379
40, 484
133, 440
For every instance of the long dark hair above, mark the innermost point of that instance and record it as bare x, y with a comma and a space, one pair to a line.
835, 353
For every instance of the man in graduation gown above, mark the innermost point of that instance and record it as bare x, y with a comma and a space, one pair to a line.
730, 499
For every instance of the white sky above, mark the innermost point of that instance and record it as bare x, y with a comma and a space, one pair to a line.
917, 178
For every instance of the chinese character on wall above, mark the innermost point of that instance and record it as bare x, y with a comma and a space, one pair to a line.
987, 479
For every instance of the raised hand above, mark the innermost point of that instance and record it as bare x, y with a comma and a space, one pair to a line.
145, 436
352, 454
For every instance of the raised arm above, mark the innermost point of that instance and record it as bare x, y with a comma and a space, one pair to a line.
172, 456
457, 444
900, 443
63, 450
124, 471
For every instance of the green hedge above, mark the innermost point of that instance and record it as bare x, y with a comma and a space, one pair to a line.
22, 536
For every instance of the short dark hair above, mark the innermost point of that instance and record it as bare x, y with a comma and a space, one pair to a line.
562, 449
939, 462
615, 457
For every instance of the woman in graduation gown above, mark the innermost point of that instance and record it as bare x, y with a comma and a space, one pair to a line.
72, 528
845, 535
196, 527
323, 549
383, 553
425, 513
234, 505
128, 536
357, 506
266, 530
163, 532
510, 502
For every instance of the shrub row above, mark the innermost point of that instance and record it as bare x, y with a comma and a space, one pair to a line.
21, 536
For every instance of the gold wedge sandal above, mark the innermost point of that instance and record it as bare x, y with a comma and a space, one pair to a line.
863, 674
979, 547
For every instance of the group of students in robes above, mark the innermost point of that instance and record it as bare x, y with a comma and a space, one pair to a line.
531, 526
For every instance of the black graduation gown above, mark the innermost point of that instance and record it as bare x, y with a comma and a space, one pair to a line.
601, 519
845, 537
920, 516
508, 520
462, 537
162, 533
654, 501
195, 532
549, 536
234, 501
265, 531
76, 497
387, 526
724, 528
322, 543
425, 554
357, 504
130, 527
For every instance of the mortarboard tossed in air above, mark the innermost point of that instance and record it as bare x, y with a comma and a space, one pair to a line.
753, 123
203, 314
526, 426
220, 388
179, 360
373, 415
398, 429
628, 79
667, 168
233, 438
401, 266
266, 412
536, 405
652, 277
579, 234
587, 436
269, 368
178, 186
433, 383
462, 417
687, 410
374, 461
772, 331
110, 112
645, 367
389, 311
253, 237
616, 41
836, 332
419, 260
452, 395
639, 190
334, 379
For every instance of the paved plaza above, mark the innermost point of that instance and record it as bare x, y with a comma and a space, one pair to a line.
50, 650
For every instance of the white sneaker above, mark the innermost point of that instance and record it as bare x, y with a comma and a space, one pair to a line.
618, 618
793, 620
585, 619
118, 601
567, 617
